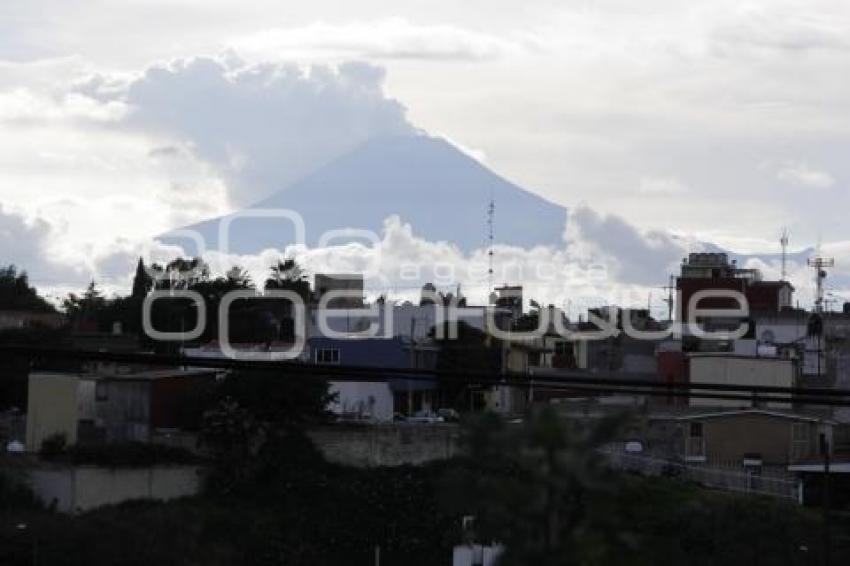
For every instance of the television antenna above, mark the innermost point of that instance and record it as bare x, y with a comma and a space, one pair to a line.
670, 300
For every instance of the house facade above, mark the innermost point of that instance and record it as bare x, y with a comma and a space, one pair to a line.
751, 438
379, 397
96, 408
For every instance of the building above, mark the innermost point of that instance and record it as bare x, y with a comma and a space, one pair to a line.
102, 408
378, 397
740, 370
350, 283
754, 438
53, 408
714, 272
510, 298
621, 354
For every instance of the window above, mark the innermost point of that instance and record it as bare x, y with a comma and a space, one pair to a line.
327, 356
799, 441
696, 430
533, 359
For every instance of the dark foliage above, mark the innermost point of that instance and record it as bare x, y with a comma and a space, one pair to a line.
15, 370
17, 294
473, 351
253, 417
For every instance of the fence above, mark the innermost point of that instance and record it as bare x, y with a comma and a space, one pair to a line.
755, 481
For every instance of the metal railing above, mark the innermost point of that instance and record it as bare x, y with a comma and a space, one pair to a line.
761, 482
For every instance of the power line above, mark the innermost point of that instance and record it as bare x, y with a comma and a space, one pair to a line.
567, 381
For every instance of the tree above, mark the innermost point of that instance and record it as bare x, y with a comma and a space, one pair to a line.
181, 273
142, 282
16, 293
238, 278
539, 488
85, 307
254, 426
276, 398
288, 275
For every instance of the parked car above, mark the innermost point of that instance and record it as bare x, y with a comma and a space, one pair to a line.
449, 415
425, 417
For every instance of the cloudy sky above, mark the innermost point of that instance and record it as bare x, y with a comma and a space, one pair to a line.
667, 122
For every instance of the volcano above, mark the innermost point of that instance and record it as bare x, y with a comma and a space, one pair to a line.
429, 183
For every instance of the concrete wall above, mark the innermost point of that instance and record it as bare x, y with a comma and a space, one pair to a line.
80, 488
51, 408
386, 445
740, 371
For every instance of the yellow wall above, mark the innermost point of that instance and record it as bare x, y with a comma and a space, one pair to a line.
51, 408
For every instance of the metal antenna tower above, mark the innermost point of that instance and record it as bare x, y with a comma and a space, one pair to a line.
491, 217
819, 264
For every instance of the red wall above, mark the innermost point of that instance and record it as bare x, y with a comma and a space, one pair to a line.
673, 368
761, 297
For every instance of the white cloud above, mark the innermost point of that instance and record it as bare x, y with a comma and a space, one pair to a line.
664, 91
783, 29
605, 261
26, 244
22, 240
260, 127
802, 175
645, 258
22, 105
392, 38
661, 186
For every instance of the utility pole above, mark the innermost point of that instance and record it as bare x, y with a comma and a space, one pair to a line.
670, 300
825, 501
412, 366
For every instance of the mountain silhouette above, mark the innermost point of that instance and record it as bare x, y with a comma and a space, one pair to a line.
442, 192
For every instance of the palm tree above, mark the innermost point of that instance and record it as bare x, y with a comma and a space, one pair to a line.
286, 274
